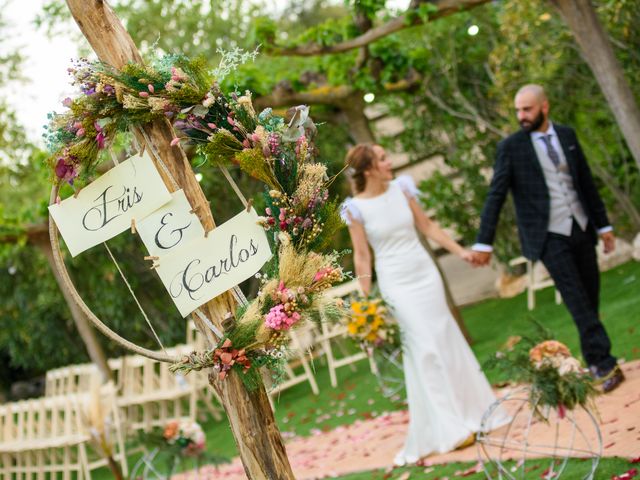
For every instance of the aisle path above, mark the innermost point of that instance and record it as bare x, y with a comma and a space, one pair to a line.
371, 444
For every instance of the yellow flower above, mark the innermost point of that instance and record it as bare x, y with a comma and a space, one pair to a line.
357, 308
352, 328
360, 320
371, 337
371, 308
377, 322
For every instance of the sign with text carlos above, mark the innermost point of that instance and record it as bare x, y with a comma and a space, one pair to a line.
105, 207
206, 267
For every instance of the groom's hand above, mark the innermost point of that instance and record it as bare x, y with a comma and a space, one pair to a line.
609, 240
481, 259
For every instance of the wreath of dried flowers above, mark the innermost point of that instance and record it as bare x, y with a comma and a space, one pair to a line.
225, 129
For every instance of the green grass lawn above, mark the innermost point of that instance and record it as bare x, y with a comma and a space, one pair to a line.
490, 323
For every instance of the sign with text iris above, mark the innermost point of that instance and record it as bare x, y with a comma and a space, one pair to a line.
170, 227
204, 268
104, 208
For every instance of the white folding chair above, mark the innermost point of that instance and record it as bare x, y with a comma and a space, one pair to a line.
536, 280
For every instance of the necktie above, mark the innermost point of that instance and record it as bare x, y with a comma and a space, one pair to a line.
553, 154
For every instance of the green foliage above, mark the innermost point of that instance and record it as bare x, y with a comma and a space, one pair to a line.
369, 7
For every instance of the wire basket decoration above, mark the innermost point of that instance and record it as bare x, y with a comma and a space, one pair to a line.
565, 440
390, 373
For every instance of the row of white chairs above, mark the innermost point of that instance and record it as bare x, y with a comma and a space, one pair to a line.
48, 437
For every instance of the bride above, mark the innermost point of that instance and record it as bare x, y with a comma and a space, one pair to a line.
447, 392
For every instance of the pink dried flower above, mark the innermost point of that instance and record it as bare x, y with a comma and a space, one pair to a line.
151, 89
100, 136
322, 273
100, 140
143, 94
278, 319
66, 170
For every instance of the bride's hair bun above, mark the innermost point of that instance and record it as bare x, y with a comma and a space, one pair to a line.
360, 158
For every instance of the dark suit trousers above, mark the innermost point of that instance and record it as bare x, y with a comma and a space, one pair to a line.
572, 263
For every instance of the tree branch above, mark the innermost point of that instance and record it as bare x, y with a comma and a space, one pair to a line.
445, 8
281, 96
473, 116
33, 232
328, 95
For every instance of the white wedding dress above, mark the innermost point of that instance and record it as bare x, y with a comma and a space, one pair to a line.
447, 392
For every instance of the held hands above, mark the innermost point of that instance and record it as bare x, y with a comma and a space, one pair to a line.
477, 259
609, 240
481, 259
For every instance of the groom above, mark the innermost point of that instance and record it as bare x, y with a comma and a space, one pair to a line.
559, 215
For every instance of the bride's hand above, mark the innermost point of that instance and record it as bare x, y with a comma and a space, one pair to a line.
467, 256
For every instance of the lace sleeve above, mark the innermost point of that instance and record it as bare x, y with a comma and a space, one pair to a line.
408, 186
349, 211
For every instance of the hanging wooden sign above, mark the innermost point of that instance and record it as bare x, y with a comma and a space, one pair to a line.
203, 268
104, 208
170, 227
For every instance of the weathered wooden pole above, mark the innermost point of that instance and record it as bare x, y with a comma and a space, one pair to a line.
597, 50
252, 422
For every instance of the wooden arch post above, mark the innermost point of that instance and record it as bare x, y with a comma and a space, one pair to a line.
252, 422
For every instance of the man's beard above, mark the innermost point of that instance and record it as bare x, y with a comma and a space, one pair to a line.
533, 126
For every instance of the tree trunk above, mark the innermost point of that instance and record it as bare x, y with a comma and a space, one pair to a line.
623, 200
85, 329
252, 422
357, 122
598, 52
360, 131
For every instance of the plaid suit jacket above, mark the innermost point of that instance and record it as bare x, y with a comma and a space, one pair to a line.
517, 170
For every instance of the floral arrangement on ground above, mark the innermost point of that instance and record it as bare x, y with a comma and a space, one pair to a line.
556, 378
299, 218
178, 441
370, 325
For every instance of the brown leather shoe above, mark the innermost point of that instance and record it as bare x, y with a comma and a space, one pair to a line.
612, 380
